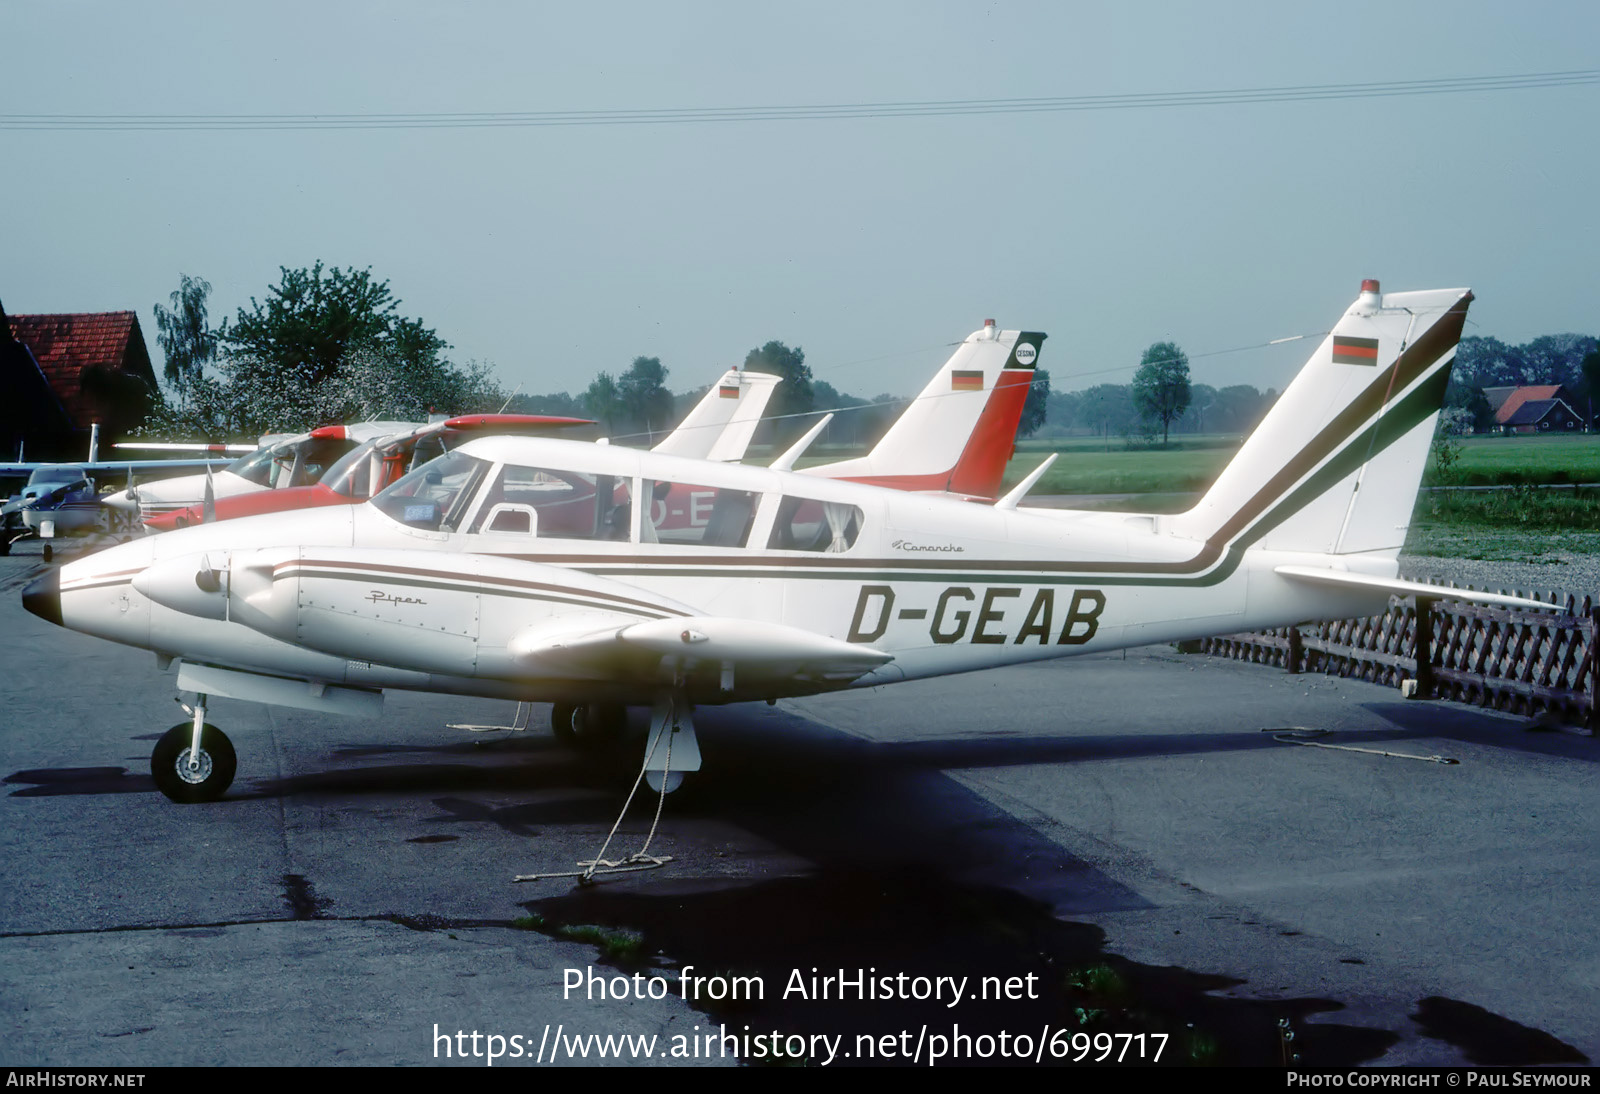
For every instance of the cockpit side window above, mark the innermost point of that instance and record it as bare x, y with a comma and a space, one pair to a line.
825, 527
554, 503
694, 515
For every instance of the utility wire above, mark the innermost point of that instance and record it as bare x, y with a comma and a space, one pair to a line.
804, 112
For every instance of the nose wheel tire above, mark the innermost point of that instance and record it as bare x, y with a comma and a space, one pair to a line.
202, 781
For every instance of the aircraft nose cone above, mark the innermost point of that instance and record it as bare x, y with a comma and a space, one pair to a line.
42, 597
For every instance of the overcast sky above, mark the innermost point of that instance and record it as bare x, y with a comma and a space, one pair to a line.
553, 252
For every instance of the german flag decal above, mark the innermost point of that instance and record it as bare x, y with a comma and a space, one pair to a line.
1354, 351
966, 380
728, 391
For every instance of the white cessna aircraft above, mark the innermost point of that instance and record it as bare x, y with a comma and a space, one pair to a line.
498, 569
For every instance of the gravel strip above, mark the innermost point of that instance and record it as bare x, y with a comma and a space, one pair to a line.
1575, 574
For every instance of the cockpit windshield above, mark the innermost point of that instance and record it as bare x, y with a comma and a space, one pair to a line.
368, 468
257, 466
352, 475
435, 495
290, 463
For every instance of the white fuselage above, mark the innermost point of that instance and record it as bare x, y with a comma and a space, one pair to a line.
940, 585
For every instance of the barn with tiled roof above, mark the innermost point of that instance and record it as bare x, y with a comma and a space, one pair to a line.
96, 369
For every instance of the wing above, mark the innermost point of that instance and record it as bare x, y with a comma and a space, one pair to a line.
465, 615
119, 465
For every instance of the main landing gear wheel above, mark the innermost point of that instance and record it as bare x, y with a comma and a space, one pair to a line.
49, 552
589, 727
184, 782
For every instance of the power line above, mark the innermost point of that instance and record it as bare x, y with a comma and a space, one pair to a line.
804, 112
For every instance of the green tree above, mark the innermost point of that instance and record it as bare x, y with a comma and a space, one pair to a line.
603, 401
325, 345
1477, 415
1161, 386
1037, 407
185, 335
1238, 408
1106, 408
312, 319
643, 394
1589, 369
794, 395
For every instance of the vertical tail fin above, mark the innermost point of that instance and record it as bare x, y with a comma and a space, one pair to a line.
723, 421
1335, 466
957, 435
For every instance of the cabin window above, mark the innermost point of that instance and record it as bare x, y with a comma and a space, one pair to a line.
553, 503
435, 495
826, 527
694, 515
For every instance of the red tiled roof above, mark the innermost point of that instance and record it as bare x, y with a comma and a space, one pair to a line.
1533, 411
1522, 395
68, 346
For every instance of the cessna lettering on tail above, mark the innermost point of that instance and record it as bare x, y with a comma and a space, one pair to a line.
962, 614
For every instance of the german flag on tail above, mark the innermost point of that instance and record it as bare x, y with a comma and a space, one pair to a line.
728, 391
1354, 351
966, 380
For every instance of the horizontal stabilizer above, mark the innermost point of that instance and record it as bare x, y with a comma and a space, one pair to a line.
1398, 587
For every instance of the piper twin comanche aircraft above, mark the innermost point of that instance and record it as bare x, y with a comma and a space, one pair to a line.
469, 576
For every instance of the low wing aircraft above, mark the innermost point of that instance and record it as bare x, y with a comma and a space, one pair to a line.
363, 471
794, 585
294, 460
61, 498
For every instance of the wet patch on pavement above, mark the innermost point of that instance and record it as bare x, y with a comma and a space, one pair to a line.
1486, 1038
892, 920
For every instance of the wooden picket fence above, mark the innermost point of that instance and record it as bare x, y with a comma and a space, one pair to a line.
1525, 662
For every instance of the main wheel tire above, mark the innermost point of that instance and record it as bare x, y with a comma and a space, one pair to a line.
169, 764
591, 727
49, 552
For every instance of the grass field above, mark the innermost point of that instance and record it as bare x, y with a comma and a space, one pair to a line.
1088, 467
1523, 459
1518, 521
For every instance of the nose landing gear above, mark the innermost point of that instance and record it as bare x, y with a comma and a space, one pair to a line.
194, 761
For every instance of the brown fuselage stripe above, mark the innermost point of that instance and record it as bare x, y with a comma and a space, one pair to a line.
377, 570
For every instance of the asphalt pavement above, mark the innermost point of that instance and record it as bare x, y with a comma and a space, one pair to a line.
1098, 845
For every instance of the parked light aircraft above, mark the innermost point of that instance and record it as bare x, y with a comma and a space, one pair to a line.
364, 470
795, 585
298, 461
956, 436
294, 460
60, 499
